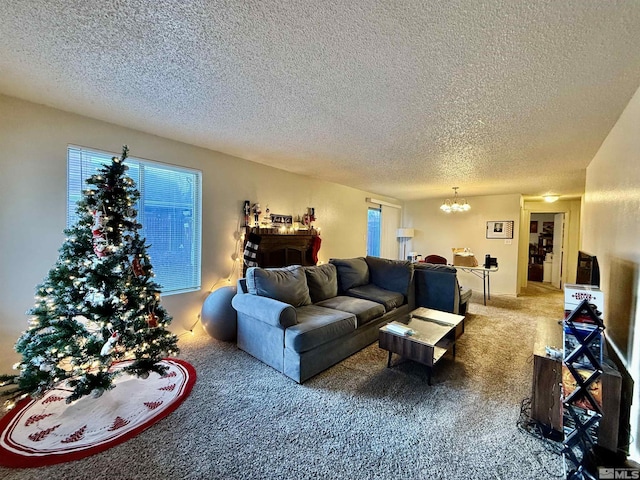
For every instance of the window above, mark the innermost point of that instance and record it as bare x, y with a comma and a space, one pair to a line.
383, 221
373, 232
169, 210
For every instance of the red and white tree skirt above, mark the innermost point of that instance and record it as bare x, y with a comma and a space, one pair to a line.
48, 430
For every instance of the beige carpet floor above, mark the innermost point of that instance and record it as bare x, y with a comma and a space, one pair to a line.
357, 420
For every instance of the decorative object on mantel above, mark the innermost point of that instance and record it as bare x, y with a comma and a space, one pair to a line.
309, 217
500, 229
456, 205
266, 220
278, 220
256, 214
247, 213
276, 230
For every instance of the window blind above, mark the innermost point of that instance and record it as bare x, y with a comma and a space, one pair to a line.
169, 210
389, 226
373, 232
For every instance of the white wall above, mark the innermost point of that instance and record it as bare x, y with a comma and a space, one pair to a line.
437, 233
611, 231
34, 140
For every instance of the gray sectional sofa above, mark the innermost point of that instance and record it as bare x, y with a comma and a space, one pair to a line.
302, 320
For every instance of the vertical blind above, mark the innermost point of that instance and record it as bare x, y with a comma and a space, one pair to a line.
390, 224
383, 221
169, 210
373, 232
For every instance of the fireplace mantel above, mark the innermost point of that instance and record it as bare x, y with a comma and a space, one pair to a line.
281, 248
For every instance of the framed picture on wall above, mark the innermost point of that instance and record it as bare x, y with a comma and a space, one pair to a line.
533, 227
500, 229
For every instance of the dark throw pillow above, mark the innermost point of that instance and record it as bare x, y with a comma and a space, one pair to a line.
286, 284
352, 272
322, 281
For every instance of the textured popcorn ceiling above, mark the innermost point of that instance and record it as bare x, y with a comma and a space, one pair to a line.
400, 97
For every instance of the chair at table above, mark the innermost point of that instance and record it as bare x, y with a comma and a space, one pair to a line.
437, 259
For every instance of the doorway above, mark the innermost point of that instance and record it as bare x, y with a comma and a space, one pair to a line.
546, 239
570, 207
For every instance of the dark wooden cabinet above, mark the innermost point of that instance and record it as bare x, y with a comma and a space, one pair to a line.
536, 272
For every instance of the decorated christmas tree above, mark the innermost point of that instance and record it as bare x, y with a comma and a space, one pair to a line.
99, 304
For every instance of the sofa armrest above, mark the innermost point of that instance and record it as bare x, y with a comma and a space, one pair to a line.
437, 287
411, 294
265, 309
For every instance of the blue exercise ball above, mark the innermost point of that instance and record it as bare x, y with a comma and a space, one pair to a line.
218, 317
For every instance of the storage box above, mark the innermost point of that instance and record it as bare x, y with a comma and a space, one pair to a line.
574, 294
462, 257
465, 261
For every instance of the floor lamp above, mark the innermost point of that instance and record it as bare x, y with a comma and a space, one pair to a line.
403, 234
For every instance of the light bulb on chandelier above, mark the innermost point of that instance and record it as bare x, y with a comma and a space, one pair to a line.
457, 205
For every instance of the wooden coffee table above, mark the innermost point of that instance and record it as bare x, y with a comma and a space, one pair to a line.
424, 336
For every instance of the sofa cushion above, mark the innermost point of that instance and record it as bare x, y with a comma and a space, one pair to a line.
394, 275
322, 281
364, 310
352, 272
389, 299
316, 326
286, 284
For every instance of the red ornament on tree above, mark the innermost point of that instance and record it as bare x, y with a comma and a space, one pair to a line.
152, 320
138, 271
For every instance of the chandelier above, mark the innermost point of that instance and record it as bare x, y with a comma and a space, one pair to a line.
458, 205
